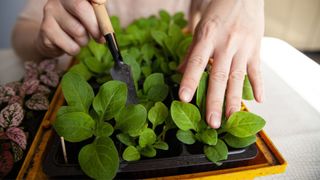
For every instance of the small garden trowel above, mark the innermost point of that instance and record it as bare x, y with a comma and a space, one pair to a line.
120, 70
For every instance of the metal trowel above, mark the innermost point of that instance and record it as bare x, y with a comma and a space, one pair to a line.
120, 70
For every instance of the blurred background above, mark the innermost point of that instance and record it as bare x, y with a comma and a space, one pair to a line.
294, 21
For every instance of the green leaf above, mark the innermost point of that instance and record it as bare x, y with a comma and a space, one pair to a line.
237, 142
77, 91
158, 92
104, 129
81, 70
94, 65
126, 139
185, 115
148, 151
131, 119
98, 50
146, 70
172, 66
247, 93
115, 24
161, 145
159, 37
74, 126
131, 154
84, 53
148, 51
175, 33
209, 136
186, 137
179, 20
216, 153
183, 47
202, 94
176, 78
147, 137
158, 114
66, 109
244, 124
134, 66
153, 80
164, 16
99, 160
112, 96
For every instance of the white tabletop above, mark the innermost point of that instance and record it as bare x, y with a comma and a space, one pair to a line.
291, 107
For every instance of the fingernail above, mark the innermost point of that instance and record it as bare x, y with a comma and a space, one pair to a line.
215, 119
185, 95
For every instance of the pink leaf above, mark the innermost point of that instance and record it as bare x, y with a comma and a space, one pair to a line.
16, 99
11, 115
15, 85
38, 102
31, 70
43, 90
50, 79
30, 86
47, 65
17, 151
6, 93
6, 162
18, 136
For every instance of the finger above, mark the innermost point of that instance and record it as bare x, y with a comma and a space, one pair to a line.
196, 63
58, 37
72, 27
235, 83
216, 89
83, 11
255, 76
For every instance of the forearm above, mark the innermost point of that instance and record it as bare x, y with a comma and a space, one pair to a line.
23, 39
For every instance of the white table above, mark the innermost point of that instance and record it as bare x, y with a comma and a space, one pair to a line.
291, 107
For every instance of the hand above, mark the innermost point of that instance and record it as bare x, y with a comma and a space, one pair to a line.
229, 32
66, 26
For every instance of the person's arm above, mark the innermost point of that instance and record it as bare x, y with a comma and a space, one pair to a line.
230, 32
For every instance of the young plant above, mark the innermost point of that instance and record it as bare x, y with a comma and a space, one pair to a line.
153, 47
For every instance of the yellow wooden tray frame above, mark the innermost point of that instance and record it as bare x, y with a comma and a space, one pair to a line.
268, 161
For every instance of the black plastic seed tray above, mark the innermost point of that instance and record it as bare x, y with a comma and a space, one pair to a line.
179, 159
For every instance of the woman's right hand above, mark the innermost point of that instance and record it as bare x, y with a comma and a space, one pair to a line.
66, 26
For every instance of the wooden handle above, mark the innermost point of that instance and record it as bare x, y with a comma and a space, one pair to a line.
103, 18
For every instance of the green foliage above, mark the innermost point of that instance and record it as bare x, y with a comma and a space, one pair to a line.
247, 92
185, 115
147, 137
131, 119
208, 136
153, 47
202, 94
111, 97
217, 152
244, 124
237, 142
131, 154
187, 137
77, 92
74, 126
158, 114
100, 159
